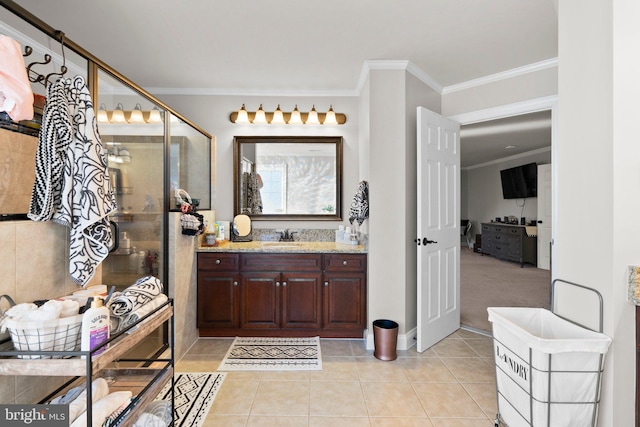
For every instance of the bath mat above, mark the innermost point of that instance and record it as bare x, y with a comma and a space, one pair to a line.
194, 394
273, 354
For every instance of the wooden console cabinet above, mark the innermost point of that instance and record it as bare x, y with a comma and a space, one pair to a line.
509, 242
262, 294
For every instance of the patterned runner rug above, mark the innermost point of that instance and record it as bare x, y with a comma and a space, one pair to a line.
273, 354
194, 394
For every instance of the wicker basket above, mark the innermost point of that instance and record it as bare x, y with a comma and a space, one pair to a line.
62, 334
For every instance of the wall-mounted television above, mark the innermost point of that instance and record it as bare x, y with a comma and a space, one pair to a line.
520, 182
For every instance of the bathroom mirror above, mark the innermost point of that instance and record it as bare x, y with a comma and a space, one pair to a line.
241, 228
288, 177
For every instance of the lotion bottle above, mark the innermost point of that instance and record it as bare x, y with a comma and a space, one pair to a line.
95, 327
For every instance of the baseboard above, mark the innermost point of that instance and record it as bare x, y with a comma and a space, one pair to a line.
405, 341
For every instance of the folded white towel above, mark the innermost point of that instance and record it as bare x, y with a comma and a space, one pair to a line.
68, 307
103, 408
99, 389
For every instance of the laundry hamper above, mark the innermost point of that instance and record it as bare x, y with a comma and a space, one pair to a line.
548, 369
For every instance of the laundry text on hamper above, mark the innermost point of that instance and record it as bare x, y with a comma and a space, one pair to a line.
518, 368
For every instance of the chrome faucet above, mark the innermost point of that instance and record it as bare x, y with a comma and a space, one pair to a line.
287, 236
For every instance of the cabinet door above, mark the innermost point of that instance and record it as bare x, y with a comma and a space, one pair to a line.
218, 302
344, 300
301, 300
260, 300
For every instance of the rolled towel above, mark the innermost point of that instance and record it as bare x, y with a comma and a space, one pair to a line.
103, 408
132, 318
161, 409
149, 420
69, 307
99, 389
43, 313
17, 311
135, 296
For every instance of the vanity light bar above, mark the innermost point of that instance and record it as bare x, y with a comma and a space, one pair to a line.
295, 117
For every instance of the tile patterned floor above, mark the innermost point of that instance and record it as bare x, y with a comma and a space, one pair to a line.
449, 385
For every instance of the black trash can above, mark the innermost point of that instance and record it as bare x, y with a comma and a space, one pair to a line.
385, 339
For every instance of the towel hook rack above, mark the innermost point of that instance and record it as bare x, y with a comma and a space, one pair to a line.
59, 35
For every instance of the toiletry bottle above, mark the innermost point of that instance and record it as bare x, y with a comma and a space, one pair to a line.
133, 260
95, 327
148, 263
125, 243
142, 265
155, 266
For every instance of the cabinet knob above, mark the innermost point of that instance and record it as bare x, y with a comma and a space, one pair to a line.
235, 283
326, 283
284, 283
218, 261
277, 284
344, 262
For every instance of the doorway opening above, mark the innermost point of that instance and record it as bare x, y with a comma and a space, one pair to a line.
484, 136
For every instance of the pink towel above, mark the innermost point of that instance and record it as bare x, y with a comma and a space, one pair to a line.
16, 97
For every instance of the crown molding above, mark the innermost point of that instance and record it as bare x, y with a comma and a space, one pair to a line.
504, 159
492, 78
410, 67
245, 92
501, 111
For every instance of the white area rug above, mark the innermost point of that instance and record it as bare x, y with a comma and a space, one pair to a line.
194, 394
273, 354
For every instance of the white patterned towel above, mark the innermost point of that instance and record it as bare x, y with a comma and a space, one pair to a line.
135, 296
72, 184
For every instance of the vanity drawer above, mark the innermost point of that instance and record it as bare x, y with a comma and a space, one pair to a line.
281, 262
345, 262
218, 261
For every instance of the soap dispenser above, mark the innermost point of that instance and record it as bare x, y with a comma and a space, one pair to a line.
95, 327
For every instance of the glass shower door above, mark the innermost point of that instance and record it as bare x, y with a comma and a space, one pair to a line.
132, 132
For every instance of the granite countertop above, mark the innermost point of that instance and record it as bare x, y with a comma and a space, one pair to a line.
282, 247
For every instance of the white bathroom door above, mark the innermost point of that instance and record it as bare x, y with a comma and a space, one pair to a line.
438, 239
544, 216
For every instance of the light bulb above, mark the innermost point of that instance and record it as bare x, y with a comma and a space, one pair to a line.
278, 117
243, 116
260, 118
312, 118
136, 115
330, 118
154, 116
117, 115
295, 117
102, 114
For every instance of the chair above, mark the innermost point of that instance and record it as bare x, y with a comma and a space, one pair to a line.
465, 230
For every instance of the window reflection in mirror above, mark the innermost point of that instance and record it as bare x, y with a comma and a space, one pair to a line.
288, 177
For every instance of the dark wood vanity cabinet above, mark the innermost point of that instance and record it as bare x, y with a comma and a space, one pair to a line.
345, 294
280, 300
260, 294
218, 291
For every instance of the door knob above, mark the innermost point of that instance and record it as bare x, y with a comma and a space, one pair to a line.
424, 241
